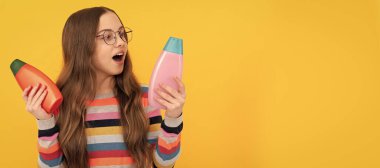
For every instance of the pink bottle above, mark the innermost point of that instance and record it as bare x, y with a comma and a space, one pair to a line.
168, 66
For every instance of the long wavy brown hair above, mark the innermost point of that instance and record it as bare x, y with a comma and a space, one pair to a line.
77, 84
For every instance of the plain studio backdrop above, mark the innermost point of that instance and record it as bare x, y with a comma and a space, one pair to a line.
270, 83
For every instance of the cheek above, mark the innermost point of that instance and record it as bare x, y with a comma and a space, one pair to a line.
102, 53
97, 58
101, 47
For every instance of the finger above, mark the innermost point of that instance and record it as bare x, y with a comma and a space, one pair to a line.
171, 91
166, 96
38, 94
162, 102
181, 85
25, 93
32, 92
42, 97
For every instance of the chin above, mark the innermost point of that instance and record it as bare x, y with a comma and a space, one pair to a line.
118, 72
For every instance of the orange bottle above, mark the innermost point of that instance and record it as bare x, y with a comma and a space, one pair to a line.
27, 75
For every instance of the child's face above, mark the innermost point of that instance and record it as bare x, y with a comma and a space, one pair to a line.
104, 59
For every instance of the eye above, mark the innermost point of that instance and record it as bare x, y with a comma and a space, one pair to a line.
123, 35
108, 36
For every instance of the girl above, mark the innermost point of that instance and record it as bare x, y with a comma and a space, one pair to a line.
104, 119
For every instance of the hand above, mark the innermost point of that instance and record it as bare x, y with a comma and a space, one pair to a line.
173, 100
33, 100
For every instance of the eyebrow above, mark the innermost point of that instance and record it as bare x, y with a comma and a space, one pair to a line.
110, 29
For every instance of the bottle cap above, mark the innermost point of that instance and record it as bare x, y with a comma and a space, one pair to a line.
16, 65
174, 45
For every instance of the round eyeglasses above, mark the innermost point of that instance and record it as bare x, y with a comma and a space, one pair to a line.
109, 36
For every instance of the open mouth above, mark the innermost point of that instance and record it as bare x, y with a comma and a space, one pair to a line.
117, 58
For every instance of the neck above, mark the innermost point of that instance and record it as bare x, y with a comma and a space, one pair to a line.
104, 83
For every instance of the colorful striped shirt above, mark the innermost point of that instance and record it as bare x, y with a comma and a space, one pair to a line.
105, 143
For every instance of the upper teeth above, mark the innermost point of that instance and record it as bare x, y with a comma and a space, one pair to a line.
120, 54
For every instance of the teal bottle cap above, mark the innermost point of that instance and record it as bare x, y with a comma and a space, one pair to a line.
16, 65
174, 45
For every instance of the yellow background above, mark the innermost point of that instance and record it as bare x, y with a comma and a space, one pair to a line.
270, 83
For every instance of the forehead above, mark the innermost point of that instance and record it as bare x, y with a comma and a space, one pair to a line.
109, 20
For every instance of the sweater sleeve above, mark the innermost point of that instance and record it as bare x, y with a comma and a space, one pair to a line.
164, 135
50, 154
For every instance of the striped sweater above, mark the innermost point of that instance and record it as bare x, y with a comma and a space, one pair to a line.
105, 143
